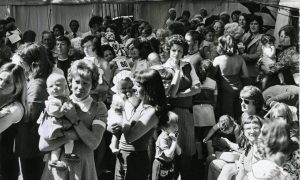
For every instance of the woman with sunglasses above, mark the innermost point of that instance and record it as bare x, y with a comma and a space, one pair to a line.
251, 100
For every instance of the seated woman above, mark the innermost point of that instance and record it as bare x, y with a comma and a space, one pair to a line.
282, 110
251, 127
251, 100
225, 128
273, 147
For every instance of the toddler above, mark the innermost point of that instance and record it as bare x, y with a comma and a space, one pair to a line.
111, 38
122, 106
167, 75
266, 63
54, 120
208, 48
166, 148
226, 129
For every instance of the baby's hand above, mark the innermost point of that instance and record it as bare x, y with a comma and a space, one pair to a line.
123, 96
4, 112
67, 106
173, 136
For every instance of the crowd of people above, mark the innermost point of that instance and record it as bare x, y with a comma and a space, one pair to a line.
147, 103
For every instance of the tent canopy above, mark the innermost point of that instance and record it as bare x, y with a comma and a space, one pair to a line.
40, 15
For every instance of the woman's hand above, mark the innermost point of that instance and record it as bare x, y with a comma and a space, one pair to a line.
71, 135
71, 114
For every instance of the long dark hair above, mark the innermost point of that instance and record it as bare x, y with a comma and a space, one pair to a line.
151, 81
20, 93
36, 56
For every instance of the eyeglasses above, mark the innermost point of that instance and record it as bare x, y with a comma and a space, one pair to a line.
246, 101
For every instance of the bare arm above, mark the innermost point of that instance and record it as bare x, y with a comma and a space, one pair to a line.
196, 85
211, 133
232, 145
146, 122
14, 115
91, 138
195, 89
49, 145
169, 153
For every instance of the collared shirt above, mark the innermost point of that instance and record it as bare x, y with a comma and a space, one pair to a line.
71, 35
84, 104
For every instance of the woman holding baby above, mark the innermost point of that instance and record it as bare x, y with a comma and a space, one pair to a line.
138, 128
88, 119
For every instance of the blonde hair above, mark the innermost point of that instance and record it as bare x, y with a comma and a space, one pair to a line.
172, 119
226, 45
84, 69
225, 122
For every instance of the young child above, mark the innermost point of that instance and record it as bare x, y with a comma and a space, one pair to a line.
166, 76
208, 48
54, 121
166, 148
204, 104
111, 38
266, 63
122, 106
225, 128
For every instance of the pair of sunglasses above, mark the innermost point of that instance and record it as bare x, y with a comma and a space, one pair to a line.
246, 101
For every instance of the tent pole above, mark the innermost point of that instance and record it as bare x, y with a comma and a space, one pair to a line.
109, 6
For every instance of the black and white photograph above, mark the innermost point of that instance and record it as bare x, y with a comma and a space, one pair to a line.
149, 90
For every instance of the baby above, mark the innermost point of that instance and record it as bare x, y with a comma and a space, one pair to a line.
267, 62
225, 128
55, 121
208, 48
123, 104
166, 148
111, 40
